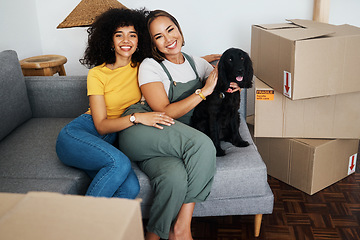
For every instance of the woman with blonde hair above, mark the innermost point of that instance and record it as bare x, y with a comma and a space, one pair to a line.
179, 160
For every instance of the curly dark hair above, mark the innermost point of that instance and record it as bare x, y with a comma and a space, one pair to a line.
100, 40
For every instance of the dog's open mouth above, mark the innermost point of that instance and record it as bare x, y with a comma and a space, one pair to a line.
239, 78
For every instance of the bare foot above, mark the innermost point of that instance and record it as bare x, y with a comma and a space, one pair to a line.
177, 234
182, 227
151, 236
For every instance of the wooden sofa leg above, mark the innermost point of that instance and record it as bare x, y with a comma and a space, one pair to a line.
257, 224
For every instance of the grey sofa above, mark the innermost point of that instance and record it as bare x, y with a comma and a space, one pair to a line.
34, 109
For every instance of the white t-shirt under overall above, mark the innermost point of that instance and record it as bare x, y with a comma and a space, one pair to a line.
151, 71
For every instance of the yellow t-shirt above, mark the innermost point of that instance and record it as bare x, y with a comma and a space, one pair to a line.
120, 87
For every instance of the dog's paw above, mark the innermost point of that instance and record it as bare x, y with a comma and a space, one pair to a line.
244, 143
241, 143
220, 152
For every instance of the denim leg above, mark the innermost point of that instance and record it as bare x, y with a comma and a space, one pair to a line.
130, 188
79, 145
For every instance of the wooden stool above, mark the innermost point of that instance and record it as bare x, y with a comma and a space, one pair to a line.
44, 65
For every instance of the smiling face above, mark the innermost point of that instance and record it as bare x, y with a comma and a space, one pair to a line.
166, 37
125, 40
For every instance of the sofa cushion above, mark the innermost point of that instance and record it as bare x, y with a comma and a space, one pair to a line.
25, 185
29, 160
14, 103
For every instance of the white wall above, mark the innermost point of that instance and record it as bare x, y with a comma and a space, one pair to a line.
19, 28
29, 26
69, 42
345, 12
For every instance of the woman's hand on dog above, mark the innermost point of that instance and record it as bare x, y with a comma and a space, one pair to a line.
210, 82
154, 119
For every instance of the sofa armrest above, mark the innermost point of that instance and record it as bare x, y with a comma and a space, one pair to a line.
57, 96
243, 103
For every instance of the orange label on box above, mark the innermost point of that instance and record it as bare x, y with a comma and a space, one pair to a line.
267, 95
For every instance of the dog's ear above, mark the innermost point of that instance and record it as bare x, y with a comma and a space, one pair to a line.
222, 78
249, 71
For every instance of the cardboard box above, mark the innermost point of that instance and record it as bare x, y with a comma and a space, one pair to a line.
308, 164
336, 116
41, 215
305, 59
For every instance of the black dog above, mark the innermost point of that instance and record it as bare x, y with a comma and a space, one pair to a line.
218, 115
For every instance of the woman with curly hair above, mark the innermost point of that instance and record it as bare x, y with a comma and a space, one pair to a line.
117, 44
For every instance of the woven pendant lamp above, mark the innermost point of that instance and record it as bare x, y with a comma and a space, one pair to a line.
85, 13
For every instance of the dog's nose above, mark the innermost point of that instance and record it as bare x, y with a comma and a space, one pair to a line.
240, 72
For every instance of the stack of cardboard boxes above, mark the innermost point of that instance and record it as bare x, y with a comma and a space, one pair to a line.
307, 101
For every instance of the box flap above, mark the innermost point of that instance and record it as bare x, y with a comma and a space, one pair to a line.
299, 29
313, 24
313, 142
298, 34
277, 26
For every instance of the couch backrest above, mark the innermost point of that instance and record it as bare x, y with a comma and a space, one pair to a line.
14, 103
57, 96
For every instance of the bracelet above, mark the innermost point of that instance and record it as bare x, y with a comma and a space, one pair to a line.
198, 92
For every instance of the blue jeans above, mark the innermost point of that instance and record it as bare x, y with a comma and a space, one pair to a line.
79, 145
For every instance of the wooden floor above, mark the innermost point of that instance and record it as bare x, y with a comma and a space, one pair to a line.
333, 213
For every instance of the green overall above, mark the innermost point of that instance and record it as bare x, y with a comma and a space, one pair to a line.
179, 160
